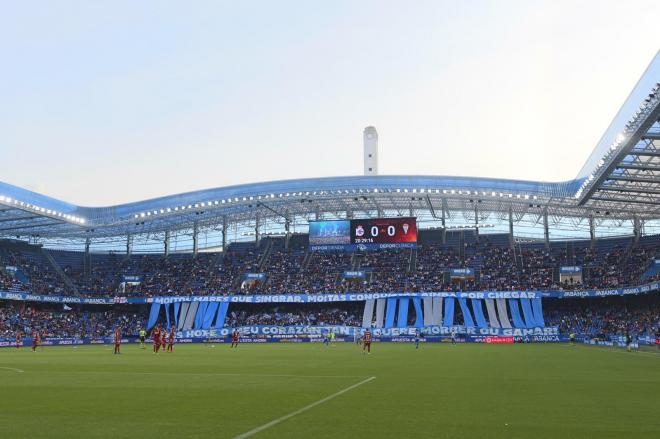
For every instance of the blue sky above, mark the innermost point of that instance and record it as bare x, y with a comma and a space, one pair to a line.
109, 102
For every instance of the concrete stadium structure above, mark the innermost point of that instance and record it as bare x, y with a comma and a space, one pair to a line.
616, 192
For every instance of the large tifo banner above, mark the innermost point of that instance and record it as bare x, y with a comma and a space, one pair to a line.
325, 298
267, 334
351, 331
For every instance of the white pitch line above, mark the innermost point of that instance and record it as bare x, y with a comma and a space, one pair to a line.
301, 410
12, 368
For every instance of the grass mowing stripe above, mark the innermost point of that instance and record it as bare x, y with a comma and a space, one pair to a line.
301, 410
202, 374
620, 350
12, 368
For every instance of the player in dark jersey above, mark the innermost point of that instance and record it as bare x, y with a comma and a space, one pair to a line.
235, 337
366, 342
117, 340
170, 341
418, 337
629, 341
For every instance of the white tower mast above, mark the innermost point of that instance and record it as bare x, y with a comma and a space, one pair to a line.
370, 151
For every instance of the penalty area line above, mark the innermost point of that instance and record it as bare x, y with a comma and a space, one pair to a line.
12, 369
301, 410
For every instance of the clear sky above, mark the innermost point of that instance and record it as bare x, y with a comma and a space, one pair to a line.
117, 101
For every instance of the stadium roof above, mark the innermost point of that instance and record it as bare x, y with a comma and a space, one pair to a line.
620, 180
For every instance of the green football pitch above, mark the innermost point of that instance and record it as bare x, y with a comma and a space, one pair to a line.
313, 391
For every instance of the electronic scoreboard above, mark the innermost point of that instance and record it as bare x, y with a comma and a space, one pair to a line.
360, 234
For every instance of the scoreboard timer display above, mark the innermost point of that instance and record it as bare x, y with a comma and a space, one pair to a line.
384, 231
363, 234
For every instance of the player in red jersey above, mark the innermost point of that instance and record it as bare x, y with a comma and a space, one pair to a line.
36, 340
235, 337
163, 337
117, 339
155, 337
18, 339
366, 342
170, 340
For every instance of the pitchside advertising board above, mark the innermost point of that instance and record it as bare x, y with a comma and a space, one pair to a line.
363, 234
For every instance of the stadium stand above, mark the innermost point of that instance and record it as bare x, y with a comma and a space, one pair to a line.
497, 265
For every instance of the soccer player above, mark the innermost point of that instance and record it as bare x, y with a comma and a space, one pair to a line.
326, 338
170, 343
572, 338
332, 337
18, 339
235, 336
418, 336
117, 339
36, 340
143, 336
366, 342
155, 337
453, 338
163, 337
628, 342
359, 337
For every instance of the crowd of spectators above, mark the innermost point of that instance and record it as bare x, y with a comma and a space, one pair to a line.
592, 317
294, 316
18, 318
426, 268
32, 266
605, 317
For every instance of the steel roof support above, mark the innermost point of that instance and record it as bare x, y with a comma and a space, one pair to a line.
287, 231
621, 200
224, 233
166, 244
546, 228
626, 149
87, 260
129, 244
592, 230
638, 167
256, 229
622, 189
511, 238
444, 214
633, 179
195, 238
476, 222
637, 229
645, 153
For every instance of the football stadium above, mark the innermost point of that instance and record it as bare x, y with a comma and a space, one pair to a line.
361, 306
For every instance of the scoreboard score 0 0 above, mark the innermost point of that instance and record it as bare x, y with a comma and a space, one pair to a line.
363, 234
384, 231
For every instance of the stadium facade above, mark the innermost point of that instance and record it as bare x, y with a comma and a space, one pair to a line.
617, 192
